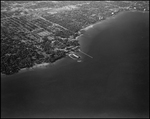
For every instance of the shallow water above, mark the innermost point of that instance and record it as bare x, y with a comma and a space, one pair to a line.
114, 83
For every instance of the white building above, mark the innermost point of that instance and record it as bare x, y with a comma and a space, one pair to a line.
44, 33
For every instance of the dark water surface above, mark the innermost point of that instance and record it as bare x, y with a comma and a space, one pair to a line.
114, 83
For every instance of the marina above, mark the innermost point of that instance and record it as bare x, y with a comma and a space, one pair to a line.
76, 56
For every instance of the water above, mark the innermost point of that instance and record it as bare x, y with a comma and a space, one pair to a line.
114, 83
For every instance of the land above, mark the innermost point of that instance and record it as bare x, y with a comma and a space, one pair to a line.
39, 32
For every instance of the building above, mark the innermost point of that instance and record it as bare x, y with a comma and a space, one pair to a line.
50, 38
74, 56
44, 33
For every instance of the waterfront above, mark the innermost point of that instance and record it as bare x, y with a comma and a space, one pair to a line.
114, 83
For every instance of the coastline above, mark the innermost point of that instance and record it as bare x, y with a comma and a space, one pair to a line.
82, 33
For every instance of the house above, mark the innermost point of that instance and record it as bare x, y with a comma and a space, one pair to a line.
44, 33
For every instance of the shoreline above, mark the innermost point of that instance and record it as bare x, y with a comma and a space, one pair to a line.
92, 25
79, 38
